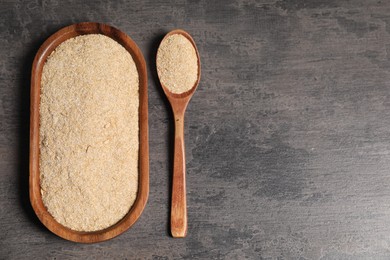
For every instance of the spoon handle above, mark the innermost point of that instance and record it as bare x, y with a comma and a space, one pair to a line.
179, 201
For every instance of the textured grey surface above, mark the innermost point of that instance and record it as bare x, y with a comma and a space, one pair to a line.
288, 151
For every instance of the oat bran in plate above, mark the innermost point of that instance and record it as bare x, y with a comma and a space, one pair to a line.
89, 132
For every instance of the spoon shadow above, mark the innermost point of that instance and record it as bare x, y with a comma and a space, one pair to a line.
153, 47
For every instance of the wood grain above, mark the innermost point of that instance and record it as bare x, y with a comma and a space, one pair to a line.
143, 188
179, 103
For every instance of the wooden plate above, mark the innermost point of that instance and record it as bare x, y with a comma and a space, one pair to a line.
143, 186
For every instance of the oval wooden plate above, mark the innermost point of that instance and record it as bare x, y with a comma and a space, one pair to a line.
34, 183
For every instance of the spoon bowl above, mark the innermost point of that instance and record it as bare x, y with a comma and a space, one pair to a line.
179, 102
188, 94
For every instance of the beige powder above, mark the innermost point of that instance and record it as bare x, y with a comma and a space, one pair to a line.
177, 64
89, 133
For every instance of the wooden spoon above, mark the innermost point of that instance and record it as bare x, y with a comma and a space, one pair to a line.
179, 104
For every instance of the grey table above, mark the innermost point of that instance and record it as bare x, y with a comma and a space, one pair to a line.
288, 135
